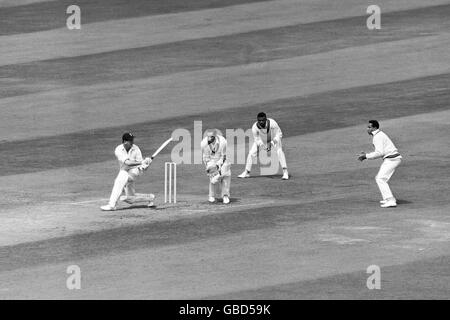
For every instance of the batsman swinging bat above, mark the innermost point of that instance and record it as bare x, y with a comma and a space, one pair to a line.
161, 147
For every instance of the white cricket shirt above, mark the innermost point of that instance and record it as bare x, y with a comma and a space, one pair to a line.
264, 136
134, 154
384, 147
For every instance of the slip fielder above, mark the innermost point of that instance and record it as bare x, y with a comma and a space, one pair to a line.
384, 148
267, 135
218, 168
131, 166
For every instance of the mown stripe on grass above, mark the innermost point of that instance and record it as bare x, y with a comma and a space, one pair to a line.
189, 229
199, 54
49, 15
296, 116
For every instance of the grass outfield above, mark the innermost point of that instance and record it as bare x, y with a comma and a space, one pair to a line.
321, 77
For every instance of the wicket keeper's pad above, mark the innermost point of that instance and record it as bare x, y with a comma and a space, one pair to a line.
215, 174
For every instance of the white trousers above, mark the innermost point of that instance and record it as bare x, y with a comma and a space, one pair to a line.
221, 188
254, 152
124, 180
386, 171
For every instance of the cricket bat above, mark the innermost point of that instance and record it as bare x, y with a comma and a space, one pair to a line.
161, 147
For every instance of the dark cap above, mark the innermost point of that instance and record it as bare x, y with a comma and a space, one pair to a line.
127, 136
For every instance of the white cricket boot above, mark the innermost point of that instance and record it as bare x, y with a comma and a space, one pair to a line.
107, 208
244, 174
129, 200
151, 197
150, 202
226, 200
389, 204
212, 199
285, 175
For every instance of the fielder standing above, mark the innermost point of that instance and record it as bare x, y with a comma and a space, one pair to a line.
218, 168
384, 148
131, 166
266, 134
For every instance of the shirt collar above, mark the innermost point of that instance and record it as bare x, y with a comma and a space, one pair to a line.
375, 132
131, 149
214, 144
267, 127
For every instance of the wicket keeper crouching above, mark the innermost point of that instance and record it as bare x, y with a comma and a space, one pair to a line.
132, 165
218, 168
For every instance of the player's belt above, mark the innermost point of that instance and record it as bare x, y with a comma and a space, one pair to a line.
395, 155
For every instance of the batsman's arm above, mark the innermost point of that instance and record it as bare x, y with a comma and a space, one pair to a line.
132, 163
123, 158
145, 163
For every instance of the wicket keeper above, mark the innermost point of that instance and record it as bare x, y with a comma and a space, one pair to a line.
218, 168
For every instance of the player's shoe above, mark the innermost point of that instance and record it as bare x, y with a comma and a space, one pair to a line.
151, 204
244, 174
285, 175
129, 200
389, 204
107, 208
382, 201
226, 200
212, 199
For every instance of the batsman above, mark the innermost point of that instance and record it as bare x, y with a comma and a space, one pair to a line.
218, 168
132, 165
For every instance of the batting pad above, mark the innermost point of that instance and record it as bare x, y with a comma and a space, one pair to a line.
138, 197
